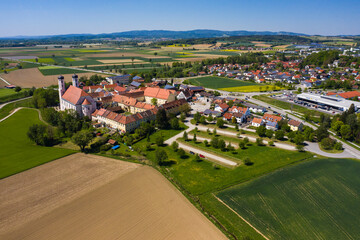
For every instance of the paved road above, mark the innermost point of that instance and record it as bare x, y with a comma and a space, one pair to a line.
19, 108
314, 147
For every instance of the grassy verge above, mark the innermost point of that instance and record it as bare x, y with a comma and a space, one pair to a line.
6, 110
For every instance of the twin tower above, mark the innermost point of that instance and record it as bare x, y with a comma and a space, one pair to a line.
61, 82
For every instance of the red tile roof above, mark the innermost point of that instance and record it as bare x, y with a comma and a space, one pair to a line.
158, 93
73, 94
346, 95
257, 120
86, 102
270, 117
295, 123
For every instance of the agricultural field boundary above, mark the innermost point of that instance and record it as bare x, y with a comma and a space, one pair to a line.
240, 216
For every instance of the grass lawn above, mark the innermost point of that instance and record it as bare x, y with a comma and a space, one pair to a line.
17, 152
314, 200
202, 177
219, 82
7, 92
257, 88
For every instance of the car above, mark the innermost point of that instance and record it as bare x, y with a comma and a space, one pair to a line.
269, 107
191, 152
202, 156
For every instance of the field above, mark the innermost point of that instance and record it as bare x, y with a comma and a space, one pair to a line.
4, 92
17, 152
256, 88
92, 197
32, 77
50, 70
313, 200
219, 82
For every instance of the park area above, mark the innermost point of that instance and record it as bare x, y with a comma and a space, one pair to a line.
313, 200
92, 197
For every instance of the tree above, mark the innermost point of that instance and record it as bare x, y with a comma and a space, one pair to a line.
194, 139
279, 135
159, 140
214, 142
182, 117
327, 143
214, 132
197, 117
242, 145
42, 135
185, 136
210, 118
175, 146
261, 130
148, 146
82, 139
17, 89
222, 144
174, 123
206, 143
345, 132
162, 121
321, 133
233, 120
269, 133
181, 152
300, 148
299, 139
338, 146
154, 101
160, 156
197, 158
248, 162
259, 142
291, 135
271, 143
220, 122
246, 140
202, 120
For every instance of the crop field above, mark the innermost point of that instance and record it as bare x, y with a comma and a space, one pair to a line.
50, 70
219, 82
17, 152
312, 200
254, 88
40, 60
113, 199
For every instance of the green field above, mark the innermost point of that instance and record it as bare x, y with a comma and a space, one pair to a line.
50, 70
219, 82
314, 200
17, 152
7, 92
40, 60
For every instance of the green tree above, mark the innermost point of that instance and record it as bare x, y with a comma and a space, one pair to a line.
174, 123
194, 139
185, 136
261, 130
220, 122
300, 148
345, 131
154, 101
160, 156
197, 158
17, 89
327, 143
202, 120
182, 117
269, 133
233, 120
246, 140
271, 143
242, 145
82, 139
210, 118
175, 146
321, 133
279, 135
259, 142
214, 142
181, 153
42, 135
214, 132
162, 121
159, 140
197, 117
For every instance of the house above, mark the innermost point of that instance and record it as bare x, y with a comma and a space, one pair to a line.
257, 122
271, 118
135, 84
75, 98
222, 107
271, 126
227, 116
295, 125
242, 110
255, 108
162, 95
185, 94
120, 79
240, 118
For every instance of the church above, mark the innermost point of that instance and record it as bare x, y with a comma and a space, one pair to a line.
75, 98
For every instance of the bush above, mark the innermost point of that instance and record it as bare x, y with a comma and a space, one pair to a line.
271, 143
327, 143
279, 135
175, 146
181, 153
259, 142
248, 162
160, 156
338, 146
159, 140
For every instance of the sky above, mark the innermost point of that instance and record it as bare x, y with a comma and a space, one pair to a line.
52, 17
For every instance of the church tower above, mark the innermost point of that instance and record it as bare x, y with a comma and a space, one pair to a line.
61, 84
75, 81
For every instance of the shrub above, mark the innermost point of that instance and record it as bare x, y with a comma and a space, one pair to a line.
175, 146
159, 140
181, 153
327, 143
259, 142
271, 143
338, 146
248, 162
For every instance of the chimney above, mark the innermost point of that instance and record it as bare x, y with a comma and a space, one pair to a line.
75, 81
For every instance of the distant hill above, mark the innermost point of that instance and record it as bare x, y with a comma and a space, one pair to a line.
157, 34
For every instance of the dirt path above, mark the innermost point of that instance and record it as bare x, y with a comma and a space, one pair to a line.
91, 197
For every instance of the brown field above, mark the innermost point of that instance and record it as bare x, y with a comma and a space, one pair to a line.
91, 197
281, 47
32, 77
109, 61
261, 44
202, 46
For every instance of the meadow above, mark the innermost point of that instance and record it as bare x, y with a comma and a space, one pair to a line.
4, 92
17, 152
219, 82
252, 88
312, 200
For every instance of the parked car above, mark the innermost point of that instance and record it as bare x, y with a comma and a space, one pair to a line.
202, 156
191, 152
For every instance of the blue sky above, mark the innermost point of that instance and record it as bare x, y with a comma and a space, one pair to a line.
50, 17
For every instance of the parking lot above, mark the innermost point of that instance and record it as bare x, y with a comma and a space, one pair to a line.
291, 98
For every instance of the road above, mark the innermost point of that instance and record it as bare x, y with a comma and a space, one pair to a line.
17, 100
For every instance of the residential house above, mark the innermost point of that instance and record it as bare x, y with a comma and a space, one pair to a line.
295, 125
257, 122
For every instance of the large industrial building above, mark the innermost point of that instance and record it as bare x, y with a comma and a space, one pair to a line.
328, 101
